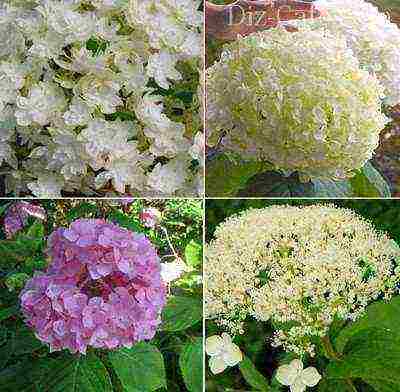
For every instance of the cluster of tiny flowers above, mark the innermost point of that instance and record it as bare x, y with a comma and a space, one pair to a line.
79, 108
370, 34
17, 216
297, 100
103, 289
298, 267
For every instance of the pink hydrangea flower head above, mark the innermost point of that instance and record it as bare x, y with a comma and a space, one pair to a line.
18, 214
150, 217
103, 288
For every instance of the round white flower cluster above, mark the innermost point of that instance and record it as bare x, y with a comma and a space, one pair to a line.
298, 267
370, 34
83, 101
297, 100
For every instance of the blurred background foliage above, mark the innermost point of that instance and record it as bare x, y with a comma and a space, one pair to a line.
174, 355
255, 343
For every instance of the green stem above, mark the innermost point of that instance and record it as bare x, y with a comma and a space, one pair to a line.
331, 353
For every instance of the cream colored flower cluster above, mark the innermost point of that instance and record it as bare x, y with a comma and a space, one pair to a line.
297, 100
370, 34
88, 91
299, 268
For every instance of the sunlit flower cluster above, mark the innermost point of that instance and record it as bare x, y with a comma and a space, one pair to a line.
370, 34
103, 288
299, 268
83, 97
297, 100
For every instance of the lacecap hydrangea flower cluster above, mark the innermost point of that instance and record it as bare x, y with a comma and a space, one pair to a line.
299, 268
297, 100
81, 110
103, 289
370, 34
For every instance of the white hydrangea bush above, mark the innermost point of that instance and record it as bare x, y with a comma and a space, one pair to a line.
297, 100
299, 268
87, 97
370, 34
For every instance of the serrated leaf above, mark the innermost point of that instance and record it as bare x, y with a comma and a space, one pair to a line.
368, 182
67, 373
275, 184
83, 374
252, 376
191, 364
378, 315
372, 355
25, 342
193, 253
140, 368
227, 175
181, 313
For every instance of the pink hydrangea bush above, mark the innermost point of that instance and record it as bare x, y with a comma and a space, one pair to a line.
103, 289
18, 214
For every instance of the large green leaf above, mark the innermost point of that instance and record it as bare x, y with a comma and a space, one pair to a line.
181, 313
378, 315
8, 312
368, 182
67, 373
252, 376
191, 364
372, 355
275, 184
228, 174
140, 368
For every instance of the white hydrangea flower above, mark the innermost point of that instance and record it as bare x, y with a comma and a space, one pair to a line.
173, 270
300, 266
79, 113
296, 377
46, 186
323, 121
81, 79
168, 178
197, 149
161, 67
41, 105
369, 33
223, 352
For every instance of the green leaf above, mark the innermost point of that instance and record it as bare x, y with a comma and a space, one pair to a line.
372, 355
275, 184
227, 175
8, 312
193, 253
181, 313
125, 221
67, 373
191, 364
368, 182
253, 377
329, 385
378, 315
4, 208
140, 368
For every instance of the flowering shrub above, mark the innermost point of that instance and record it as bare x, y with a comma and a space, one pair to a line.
310, 291
92, 290
299, 266
100, 96
103, 288
297, 100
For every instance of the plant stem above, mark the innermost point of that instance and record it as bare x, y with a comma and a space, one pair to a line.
332, 354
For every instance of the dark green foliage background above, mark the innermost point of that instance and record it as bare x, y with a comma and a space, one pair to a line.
27, 365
